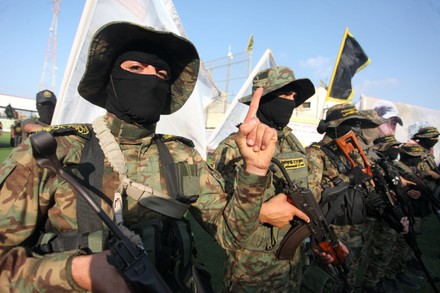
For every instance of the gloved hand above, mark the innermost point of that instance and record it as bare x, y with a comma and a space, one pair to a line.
357, 176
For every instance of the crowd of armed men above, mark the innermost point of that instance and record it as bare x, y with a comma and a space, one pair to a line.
102, 207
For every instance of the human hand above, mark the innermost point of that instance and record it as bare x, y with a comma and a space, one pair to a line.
278, 212
414, 194
405, 182
433, 174
255, 140
405, 225
94, 273
326, 258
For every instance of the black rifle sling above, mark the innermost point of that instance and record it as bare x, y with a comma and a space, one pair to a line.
170, 169
334, 159
171, 172
91, 171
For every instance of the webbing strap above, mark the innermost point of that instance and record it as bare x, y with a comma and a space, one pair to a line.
334, 159
145, 195
170, 169
91, 170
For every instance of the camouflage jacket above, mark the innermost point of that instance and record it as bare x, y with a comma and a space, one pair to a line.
323, 172
254, 267
29, 195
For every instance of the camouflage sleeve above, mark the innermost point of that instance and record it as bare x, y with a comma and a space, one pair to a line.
316, 166
225, 152
25, 196
230, 220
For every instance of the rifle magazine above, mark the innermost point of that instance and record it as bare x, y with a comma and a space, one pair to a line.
293, 239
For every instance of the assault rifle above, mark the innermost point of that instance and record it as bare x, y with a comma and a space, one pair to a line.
131, 261
416, 177
392, 178
317, 229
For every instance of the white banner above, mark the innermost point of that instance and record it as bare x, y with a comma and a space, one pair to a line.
161, 14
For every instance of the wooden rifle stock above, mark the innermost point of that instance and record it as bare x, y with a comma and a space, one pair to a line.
317, 229
348, 143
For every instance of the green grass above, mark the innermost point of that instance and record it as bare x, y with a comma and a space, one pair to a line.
5, 148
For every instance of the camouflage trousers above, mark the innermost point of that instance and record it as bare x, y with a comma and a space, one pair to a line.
318, 279
385, 253
352, 236
260, 271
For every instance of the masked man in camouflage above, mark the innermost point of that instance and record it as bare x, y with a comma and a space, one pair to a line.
51, 241
45, 102
418, 156
387, 248
427, 138
340, 179
254, 267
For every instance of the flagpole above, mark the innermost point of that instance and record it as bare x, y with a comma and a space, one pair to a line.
341, 48
249, 49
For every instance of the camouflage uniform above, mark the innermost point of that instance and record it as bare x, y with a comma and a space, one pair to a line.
420, 161
326, 175
386, 247
254, 266
26, 187
41, 224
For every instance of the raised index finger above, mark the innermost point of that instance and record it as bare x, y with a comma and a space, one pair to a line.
253, 107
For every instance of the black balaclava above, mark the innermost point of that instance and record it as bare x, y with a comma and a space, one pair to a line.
344, 128
275, 111
428, 143
138, 98
391, 153
45, 111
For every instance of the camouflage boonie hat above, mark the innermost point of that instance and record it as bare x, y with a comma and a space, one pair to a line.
373, 117
46, 96
413, 150
343, 112
281, 78
385, 142
110, 41
427, 132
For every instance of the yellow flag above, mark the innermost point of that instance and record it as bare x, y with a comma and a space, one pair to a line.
250, 43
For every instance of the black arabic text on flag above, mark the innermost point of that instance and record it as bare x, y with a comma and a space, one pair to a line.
351, 59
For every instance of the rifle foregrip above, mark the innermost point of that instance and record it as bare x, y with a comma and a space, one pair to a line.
135, 267
335, 251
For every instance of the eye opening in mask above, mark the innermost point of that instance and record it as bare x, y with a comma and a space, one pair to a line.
139, 67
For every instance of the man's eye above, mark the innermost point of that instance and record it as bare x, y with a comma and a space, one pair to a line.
135, 68
163, 74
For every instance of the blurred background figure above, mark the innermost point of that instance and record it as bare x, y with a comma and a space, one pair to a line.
388, 111
46, 102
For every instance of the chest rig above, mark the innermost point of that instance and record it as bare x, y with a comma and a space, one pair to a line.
343, 202
291, 154
167, 239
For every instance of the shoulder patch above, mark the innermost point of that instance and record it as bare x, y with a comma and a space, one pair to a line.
83, 130
169, 137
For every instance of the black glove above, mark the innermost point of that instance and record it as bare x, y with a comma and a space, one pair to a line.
357, 176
